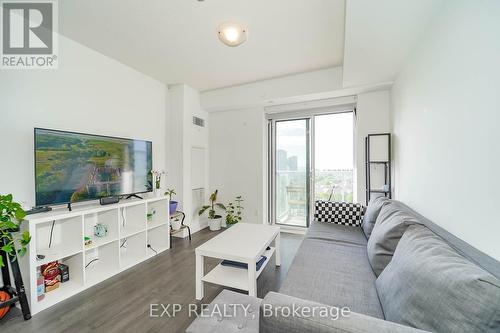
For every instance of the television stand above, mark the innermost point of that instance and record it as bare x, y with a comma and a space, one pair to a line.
133, 196
139, 222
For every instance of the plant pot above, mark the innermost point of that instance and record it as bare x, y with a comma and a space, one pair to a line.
176, 224
158, 192
172, 207
215, 223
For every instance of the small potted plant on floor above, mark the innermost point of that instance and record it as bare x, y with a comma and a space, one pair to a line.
11, 217
234, 211
214, 221
172, 204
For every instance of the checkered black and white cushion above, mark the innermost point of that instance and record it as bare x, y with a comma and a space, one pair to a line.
338, 212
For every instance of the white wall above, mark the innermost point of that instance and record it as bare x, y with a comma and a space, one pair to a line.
237, 133
87, 93
254, 94
184, 137
238, 150
372, 116
175, 134
237, 158
197, 138
446, 120
379, 36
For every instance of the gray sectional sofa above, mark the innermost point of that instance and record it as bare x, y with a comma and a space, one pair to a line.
398, 272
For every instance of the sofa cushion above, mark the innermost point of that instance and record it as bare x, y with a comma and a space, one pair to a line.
336, 232
371, 214
346, 213
389, 228
430, 286
333, 273
327, 320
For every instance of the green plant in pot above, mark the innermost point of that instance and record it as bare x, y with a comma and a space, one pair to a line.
11, 218
214, 220
157, 175
172, 204
234, 211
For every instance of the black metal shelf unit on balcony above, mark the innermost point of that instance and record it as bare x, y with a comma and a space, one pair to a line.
382, 149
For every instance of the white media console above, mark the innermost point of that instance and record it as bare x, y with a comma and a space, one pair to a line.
132, 237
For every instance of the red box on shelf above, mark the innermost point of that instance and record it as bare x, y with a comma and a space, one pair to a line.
51, 276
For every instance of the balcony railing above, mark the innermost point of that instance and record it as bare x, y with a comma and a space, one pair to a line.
291, 192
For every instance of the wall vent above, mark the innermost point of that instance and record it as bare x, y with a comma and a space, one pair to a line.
198, 121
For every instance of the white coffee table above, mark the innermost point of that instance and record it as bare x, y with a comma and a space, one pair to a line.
243, 242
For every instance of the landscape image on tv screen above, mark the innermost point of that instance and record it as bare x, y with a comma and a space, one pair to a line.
72, 167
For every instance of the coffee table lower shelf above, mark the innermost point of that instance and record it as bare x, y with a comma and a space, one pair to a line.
234, 277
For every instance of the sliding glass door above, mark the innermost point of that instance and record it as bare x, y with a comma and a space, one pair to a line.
292, 172
311, 158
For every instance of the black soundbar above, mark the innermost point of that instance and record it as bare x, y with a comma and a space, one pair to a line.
109, 200
36, 210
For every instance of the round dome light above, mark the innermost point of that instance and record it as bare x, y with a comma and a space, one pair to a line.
232, 34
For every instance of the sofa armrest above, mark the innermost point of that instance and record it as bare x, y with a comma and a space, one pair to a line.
275, 318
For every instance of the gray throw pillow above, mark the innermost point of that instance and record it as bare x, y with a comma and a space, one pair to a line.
372, 211
389, 228
430, 286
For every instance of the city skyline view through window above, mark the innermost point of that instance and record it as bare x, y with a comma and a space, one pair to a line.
334, 157
333, 164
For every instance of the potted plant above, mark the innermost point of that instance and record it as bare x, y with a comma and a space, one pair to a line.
172, 204
157, 174
214, 221
234, 211
11, 217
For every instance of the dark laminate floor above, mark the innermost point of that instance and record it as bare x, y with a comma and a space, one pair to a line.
122, 303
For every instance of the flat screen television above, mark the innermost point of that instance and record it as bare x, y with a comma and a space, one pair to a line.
72, 167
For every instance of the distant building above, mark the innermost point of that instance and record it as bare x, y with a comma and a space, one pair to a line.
292, 163
281, 160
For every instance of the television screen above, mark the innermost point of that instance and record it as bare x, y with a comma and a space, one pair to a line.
72, 167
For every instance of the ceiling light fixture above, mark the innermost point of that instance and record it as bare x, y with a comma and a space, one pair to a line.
232, 34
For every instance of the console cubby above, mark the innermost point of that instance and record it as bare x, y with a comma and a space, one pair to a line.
158, 239
132, 220
58, 238
69, 288
159, 210
109, 218
132, 249
101, 262
126, 224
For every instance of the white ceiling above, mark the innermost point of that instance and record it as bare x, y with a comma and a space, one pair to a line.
175, 41
380, 36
